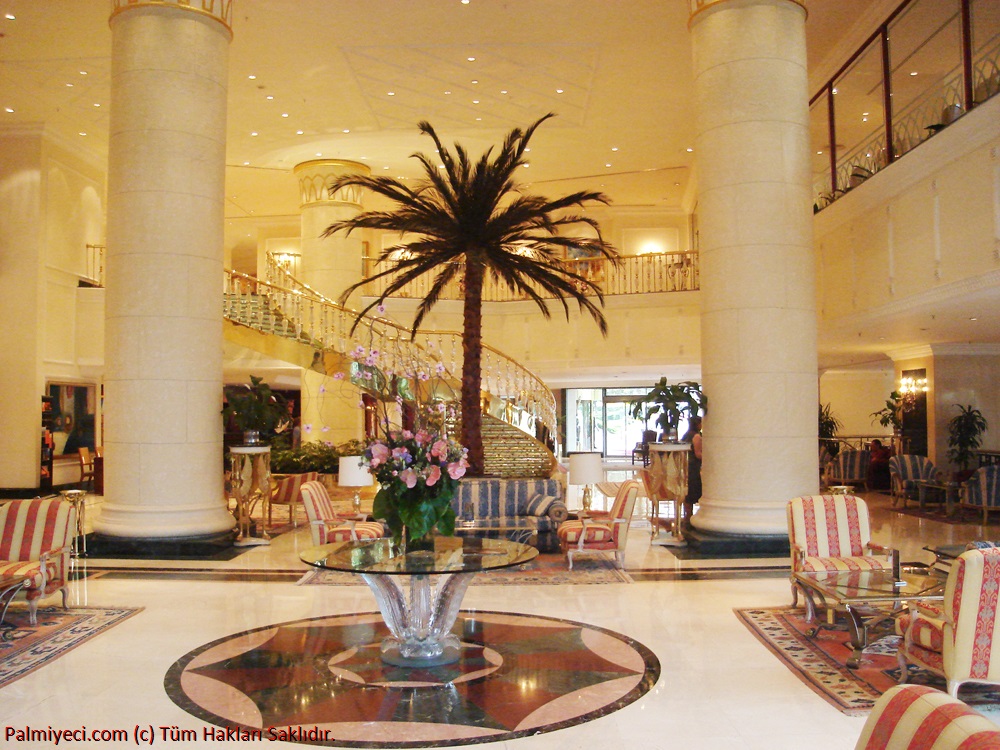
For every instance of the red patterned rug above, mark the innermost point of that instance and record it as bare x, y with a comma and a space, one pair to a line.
821, 661
24, 647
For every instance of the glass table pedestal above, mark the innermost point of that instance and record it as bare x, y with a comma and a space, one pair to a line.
419, 593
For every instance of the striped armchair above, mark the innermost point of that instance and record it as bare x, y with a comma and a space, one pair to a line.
285, 491
35, 538
907, 717
832, 532
583, 535
849, 467
327, 526
905, 471
957, 643
982, 491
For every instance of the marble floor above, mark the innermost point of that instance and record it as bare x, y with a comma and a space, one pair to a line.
717, 686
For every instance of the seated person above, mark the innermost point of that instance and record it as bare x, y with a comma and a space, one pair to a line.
878, 469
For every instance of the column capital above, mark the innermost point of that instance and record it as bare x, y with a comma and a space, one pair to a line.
699, 7
316, 175
219, 10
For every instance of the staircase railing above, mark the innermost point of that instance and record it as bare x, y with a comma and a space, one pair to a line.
294, 310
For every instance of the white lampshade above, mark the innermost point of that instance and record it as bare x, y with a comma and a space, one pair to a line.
586, 468
353, 473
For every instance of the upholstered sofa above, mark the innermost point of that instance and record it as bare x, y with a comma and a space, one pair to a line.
36, 538
519, 508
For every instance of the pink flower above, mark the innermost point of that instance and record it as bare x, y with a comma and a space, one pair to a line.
409, 477
439, 368
423, 437
381, 308
456, 470
407, 435
338, 376
433, 475
380, 454
440, 450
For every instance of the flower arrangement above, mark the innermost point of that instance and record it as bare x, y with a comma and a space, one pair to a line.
417, 474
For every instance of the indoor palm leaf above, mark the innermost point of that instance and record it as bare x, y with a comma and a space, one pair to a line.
470, 221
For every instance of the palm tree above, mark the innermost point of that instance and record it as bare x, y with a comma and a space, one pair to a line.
472, 218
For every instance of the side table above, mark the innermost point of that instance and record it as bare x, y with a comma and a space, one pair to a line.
250, 478
948, 489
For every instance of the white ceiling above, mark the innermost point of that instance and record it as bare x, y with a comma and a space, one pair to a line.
624, 117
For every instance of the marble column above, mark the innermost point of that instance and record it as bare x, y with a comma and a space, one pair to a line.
759, 361
330, 409
163, 430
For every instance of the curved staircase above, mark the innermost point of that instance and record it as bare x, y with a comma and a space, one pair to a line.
293, 323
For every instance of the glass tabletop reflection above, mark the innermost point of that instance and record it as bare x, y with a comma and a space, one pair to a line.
859, 586
449, 555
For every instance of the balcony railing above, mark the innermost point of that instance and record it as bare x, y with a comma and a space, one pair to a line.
927, 65
634, 274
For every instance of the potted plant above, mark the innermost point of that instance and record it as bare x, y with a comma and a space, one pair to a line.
891, 415
965, 433
256, 410
828, 426
672, 403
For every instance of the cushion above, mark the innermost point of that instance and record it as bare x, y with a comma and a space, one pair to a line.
594, 533
30, 568
867, 562
924, 632
547, 505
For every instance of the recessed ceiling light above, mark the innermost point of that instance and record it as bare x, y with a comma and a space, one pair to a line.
81, 133
525, 165
864, 119
689, 150
835, 91
475, 101
527, 149
865, 114
8, 109
252, 78
253, 132
559, 91
447, 92
465, 2
385, 167
347, 130
503, 91
11, 17
440, 166
474, 81
246, 164
269, 97
83, 72
97, 104
390, 93
607, 165
819, 153
298, 132
913, 72
973, 318
69, 85
471, 59
319, 153
284, 114
614, 148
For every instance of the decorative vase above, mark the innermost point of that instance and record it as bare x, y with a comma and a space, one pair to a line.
251, 437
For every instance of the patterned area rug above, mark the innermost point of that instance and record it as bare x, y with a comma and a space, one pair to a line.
821, 661
24, 648
544, 569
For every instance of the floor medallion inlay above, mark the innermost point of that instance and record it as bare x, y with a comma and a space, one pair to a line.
321, 681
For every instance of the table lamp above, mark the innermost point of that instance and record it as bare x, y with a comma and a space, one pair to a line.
354, 474
586, 469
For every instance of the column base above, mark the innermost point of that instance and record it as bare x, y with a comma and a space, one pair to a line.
710, 543
160, 548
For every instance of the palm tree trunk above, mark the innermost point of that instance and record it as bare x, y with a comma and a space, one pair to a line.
472, 380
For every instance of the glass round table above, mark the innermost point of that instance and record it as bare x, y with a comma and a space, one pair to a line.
420, 619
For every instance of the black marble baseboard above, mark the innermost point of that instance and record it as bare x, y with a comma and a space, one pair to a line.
708, 544
206, 547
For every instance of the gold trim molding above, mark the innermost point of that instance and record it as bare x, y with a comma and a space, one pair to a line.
700, 6
219, 10
315, 175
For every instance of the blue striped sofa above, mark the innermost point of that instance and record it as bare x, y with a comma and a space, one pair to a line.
849, 467
511, 507
982, 491
905, 471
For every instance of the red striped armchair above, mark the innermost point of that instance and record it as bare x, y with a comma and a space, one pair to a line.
327, 525
908, 717
286, 491
957, 641
35, 539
